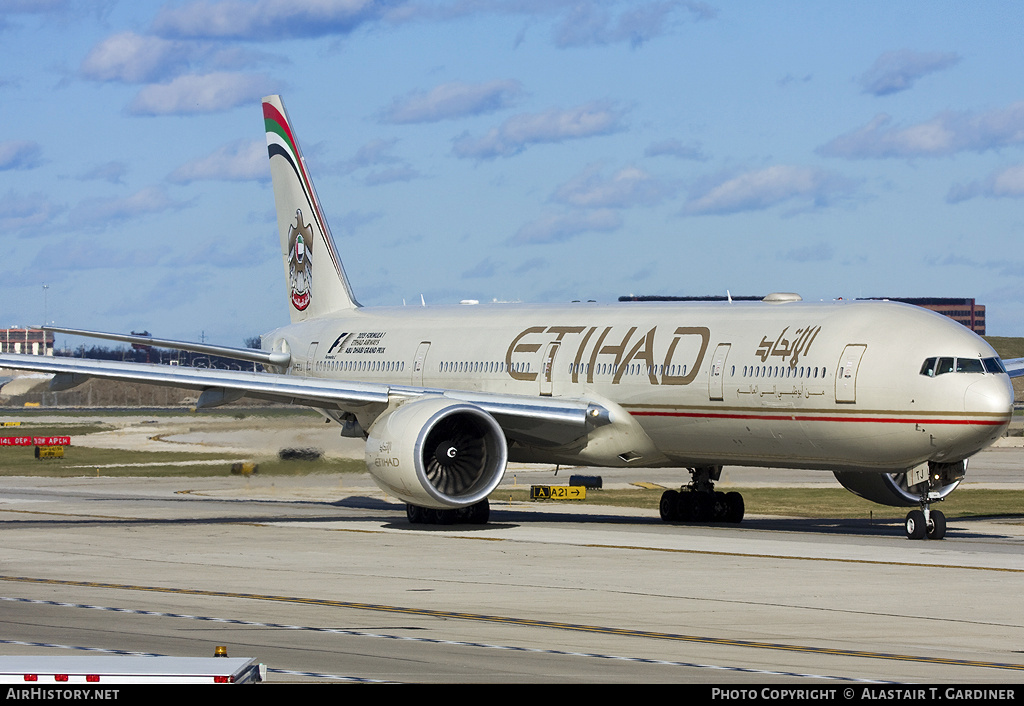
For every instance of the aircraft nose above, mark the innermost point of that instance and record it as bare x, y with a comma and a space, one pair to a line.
992, 396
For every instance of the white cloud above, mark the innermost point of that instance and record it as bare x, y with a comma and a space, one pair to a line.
675, 148
242, 160
19, 212
764, 188
134, 58
101, 211
112, 172
1009, 182
79, 254
1005, 183
482, 270
377, 153
556, 228
207, 93
521, 131
226, 255
60, 9
577, 22
627, 187
265, 20
128, 57
373, 153
897, 71
20, 154
947, 133
351, 223
453, 100
589, 23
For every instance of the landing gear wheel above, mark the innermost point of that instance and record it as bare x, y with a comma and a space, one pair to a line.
416, 514
669, 505
719, 508
685, 505
479, 514
442, 517
734, 507
937, 526
915, 525
703, 507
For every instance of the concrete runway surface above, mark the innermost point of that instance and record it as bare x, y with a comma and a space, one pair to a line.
322, 579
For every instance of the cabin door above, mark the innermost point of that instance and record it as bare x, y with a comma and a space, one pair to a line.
846, 373
716, 381
311, 356
418, 362
547, 367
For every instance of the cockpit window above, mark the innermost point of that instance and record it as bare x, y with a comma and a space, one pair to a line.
994, 365
969, 365
939, 366
928, 368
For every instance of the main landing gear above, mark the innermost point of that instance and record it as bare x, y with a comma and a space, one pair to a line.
699, 502
477, 514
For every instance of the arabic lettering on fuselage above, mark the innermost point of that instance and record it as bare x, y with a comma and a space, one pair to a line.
783, 347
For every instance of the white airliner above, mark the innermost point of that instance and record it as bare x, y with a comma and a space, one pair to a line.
889, 397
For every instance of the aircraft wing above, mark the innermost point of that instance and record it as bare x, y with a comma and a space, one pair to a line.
544, 420
251, 355
1014, 367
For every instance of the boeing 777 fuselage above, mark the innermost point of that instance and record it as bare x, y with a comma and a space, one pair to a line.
891, 398
838, 386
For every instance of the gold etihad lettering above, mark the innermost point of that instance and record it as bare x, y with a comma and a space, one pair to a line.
517, 347
615, 350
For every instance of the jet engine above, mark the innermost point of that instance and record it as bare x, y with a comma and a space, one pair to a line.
900, 489
437, 453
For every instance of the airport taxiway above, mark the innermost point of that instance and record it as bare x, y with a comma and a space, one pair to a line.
323, 579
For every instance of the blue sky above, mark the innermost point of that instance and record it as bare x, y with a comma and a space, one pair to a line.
512, 150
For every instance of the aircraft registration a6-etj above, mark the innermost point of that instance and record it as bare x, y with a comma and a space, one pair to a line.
891, 398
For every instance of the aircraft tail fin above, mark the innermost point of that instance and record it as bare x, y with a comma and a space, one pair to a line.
317, 284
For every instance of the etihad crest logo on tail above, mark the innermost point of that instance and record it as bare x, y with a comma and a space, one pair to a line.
300, 263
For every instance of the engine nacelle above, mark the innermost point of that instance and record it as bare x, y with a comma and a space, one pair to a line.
907, 488
437, 453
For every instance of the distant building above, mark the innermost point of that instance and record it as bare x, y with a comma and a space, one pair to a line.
964, 311
26, 340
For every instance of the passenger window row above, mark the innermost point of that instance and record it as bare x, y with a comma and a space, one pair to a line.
479, 367
781, 371
360, 366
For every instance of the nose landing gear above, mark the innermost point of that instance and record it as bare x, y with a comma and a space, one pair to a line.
927, 487
925, 523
